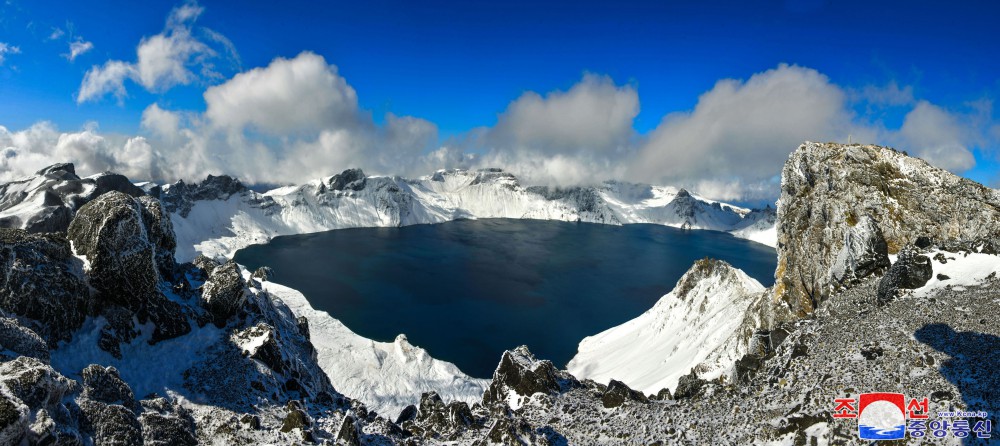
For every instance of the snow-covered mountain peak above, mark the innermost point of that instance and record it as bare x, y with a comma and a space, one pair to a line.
695, 326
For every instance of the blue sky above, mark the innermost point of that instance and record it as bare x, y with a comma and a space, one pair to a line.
475, 76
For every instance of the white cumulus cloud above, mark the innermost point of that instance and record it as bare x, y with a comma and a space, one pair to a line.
162, 61
744, 130
595, 115
938, 137
289, 95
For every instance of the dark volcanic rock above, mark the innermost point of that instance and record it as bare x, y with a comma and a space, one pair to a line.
618, 393
350, 179
264, 273
688, 386
112, 234
160, 233
296, 418
910, 271
167, 424
128, 242
21, 340
224, 292
103, 384
108, 406
408, 413
13, 420
35, 383
519, 373
42, 282
348, 433
180, 197
110, 424
207, 265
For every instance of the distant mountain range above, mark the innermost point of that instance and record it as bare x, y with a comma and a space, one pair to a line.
122, 321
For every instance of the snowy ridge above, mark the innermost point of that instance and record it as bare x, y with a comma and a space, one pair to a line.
220, 227
690, 327
387, 376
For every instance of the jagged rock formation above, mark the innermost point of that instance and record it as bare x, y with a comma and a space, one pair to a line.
180, 196
829, 189
520, 375
47, 201
42, 282
128, 245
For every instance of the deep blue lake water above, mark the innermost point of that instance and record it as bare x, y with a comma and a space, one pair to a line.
468, 290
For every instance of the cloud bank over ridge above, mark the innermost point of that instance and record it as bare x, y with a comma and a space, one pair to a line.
298, 118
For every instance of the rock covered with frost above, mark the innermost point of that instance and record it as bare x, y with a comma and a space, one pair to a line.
910, 271
224, 292
42, 282
864, 253
127, 243
828, 189
520, 375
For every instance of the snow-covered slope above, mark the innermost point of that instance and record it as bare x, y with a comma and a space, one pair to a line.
691, 327
218, 224
387, 376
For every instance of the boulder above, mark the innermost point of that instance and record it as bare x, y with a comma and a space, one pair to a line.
224, 293
103, 384
910, 271
111, 233
35, 383
688, 386
521, 374
618, 393
348, 433
42, 282
21, 340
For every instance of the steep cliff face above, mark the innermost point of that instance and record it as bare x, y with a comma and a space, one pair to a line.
871, 200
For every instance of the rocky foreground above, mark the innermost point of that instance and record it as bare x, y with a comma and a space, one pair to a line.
887, 281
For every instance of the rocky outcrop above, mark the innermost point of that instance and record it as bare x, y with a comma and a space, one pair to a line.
910, 271
618, 393
107, 408
350, 179
224, 292
42, 282
166, 423
112, 234
864, 253
47, 201
18, 340
520, 375
180, 197
128, 242
828, 190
